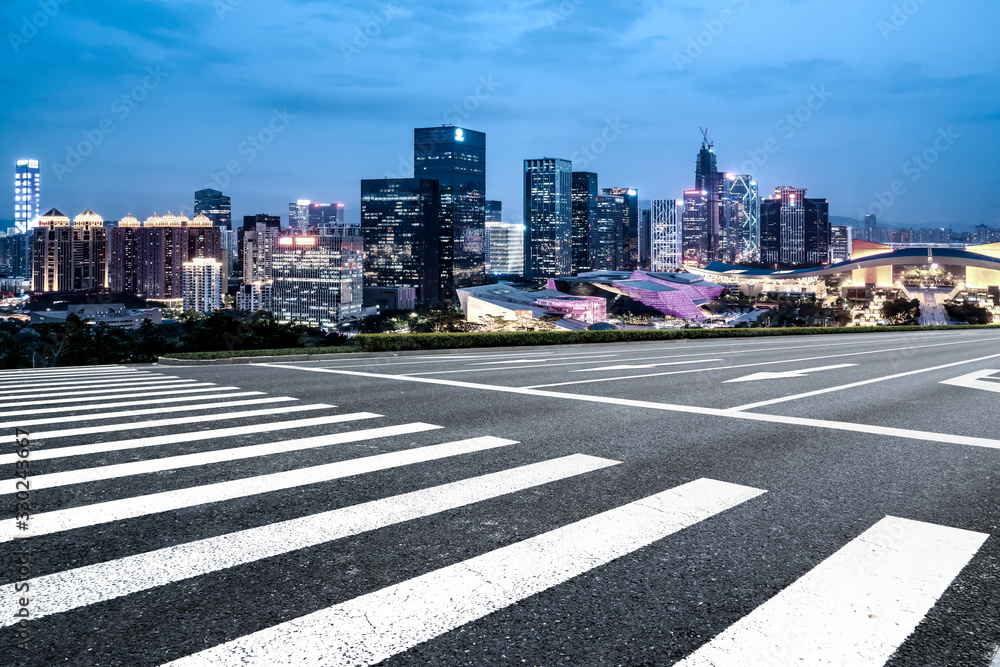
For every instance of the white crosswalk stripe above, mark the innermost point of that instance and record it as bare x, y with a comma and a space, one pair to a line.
188, 436
24, 423
125, 404
142, 393
11, 387
105, 581
379, 625
854, 608
140, 385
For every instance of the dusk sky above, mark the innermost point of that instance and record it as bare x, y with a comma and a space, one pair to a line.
182, 84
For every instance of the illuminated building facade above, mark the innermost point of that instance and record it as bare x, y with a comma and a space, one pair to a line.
203, 285
628, 259
504, 249
841, 240
608, 249
666, 250
456, 158
741, 204
400, 220
694, 228
215, 206
548, 218
317, 277
494, 211
585, 193
15, 251
794, 229
69, 257
27, 194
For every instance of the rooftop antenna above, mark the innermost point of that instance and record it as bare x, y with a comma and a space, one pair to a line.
706, 142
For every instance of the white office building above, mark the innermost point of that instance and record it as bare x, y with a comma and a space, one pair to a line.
203, 285
666, 249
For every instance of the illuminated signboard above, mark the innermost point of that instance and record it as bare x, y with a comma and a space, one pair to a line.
459, 134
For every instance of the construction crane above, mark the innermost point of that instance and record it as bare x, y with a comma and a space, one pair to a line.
706, 142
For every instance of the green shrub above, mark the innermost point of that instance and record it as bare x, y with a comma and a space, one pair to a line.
234, 354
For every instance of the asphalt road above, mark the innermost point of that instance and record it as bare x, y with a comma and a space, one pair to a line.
825, 500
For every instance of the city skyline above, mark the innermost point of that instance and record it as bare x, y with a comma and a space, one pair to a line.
835, 122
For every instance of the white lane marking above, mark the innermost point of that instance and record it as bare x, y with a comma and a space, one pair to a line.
376, 626
855, 607
862, 383
788, 374
72, 589
996, 659
928, 436
69, 370
541, 360
177, 438
125, 404
174, 421
762, 363
976, 381
156, 503
140, 385
141, 393
625, 367
148, 411
85, 475
20, 385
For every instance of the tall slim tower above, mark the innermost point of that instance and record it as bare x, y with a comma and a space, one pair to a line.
708, 179
742, 219
666, 251
548, 218
629, 259
584, 218
215, 206
27, 194
456, 158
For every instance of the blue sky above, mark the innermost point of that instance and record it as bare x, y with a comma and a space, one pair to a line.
837, 96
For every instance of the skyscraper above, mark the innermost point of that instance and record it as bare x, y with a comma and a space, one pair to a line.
666, 250
709, 180
645, 238
794, 230
504, 248
298, 214
27, 194
203, 285
607, 236
695, 236
841, 237
70, 257
548, 218
629, 256
871, 224
255, 244
400, 222
742, 220
585, 192
494, 211
456, 158
317, 277
215, 206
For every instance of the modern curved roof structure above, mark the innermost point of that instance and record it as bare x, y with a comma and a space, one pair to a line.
901, 257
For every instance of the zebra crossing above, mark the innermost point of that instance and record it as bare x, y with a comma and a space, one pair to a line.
855, 607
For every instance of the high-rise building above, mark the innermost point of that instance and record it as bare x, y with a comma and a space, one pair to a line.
607, 236
712, 183
317, 277
629, 256
148, 259
666, 249
694, 227
325, 214
548, 218
841, 242
256, 240
871, 225
456, 158
69, 257
400, 221
494, 211
504, 249
215, 206
15, 251
298, 214
203, 285
585, 193
794, 230
741, 200
645, 238
27, 194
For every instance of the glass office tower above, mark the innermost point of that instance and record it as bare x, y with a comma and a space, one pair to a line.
548, 218
456, 158
215, 206
585, 192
